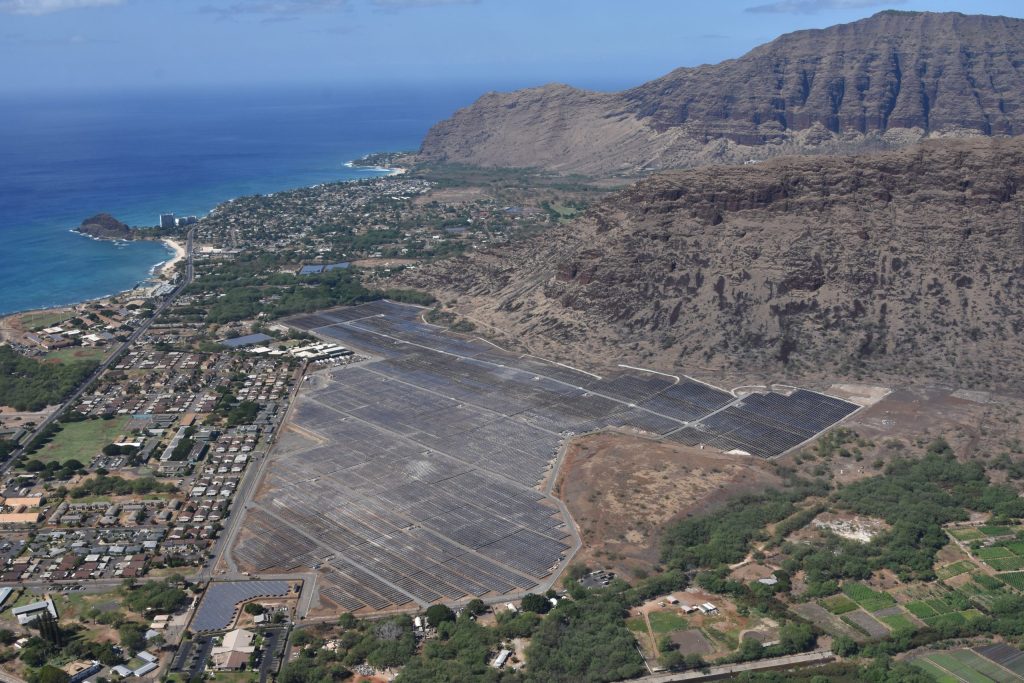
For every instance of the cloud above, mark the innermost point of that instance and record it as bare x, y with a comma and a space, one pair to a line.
273, 10
815, 6
410, 4
36, 7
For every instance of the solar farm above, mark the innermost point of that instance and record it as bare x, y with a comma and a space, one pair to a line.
419, 476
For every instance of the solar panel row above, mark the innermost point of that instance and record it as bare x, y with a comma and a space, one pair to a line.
425, 486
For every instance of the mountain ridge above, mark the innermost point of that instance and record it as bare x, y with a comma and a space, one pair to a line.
880, 83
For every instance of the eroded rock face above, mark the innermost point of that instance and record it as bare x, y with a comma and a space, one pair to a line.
899, 264
880, 83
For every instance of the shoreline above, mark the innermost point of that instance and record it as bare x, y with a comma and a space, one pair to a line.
163, 268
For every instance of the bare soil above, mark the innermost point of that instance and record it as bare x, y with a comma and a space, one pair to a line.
623, 490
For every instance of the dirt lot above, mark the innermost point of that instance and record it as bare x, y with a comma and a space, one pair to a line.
977, 425
622, 490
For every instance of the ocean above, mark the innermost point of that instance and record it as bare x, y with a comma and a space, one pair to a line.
136, 155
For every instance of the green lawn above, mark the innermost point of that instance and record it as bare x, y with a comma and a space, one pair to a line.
636, 624
997, 530
839, 604
82, 440
43, 319
870, 600
666, 622
73, 353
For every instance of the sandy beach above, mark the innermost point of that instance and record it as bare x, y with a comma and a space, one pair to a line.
179, 254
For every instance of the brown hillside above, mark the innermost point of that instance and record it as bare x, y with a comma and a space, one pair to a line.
900, 264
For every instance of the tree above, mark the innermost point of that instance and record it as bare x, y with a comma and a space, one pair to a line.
437, 614
476, 606
536, 603
254, 608
133, 636
51, 674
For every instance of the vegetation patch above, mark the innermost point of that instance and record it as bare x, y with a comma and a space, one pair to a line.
27, 384
869, 599
666, 622
993, 553
966, 534
81, 441
1013, 580
1002, 564
955, 569
839, 604
898, 622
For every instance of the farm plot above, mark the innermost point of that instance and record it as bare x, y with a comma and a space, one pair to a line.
838, 604
955, 569
964, 665
869, 599
1013, 580
866, 623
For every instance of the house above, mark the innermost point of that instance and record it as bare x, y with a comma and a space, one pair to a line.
234, 651
26, 614
80, 670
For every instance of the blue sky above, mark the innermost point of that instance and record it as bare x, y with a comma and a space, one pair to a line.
124, 44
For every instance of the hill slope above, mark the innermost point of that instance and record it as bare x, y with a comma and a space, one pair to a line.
881, 82
899, 264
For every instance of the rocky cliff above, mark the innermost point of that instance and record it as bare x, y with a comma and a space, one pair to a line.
897, 264
883, 82
105, 227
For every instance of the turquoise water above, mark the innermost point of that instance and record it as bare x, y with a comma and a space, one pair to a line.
136, 155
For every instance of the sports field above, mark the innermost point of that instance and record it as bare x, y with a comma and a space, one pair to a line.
82, 440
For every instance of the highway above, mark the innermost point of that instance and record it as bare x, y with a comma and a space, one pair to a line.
112, 358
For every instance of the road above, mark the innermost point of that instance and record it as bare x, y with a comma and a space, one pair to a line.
731, 670
241, 500
112, 358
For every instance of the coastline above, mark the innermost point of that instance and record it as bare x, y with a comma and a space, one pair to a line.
166, 267
162, 269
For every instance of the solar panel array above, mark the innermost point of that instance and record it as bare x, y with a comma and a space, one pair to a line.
767, 424
221, 599
423, 486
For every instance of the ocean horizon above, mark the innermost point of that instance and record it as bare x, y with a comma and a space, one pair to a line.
139, 154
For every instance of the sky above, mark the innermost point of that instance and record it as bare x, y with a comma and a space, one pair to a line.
112, 45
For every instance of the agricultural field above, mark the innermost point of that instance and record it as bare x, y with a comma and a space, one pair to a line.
963, 665
81, 440
1008, 556
966, 535
869, 599
1013, 580
898, 622
955, 569
838, 604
